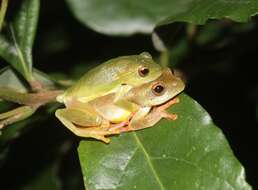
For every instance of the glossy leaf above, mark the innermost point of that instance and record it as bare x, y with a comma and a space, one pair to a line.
9, 78
190, 153
44, 79
133, 16
18, 50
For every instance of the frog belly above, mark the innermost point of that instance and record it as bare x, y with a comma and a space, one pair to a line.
114, 114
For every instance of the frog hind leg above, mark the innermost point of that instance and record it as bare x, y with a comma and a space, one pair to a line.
85, 124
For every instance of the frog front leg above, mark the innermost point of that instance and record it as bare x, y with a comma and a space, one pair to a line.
121, 92
135, 122
85, 123
145, 118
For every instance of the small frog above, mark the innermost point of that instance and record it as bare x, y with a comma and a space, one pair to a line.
138, 108
107, 78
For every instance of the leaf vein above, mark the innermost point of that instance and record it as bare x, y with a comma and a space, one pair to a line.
148, 161
121, 177
20, 55
194, 165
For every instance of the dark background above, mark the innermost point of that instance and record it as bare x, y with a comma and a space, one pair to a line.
221, 75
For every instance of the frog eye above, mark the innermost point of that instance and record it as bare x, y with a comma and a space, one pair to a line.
158, 89
143, 71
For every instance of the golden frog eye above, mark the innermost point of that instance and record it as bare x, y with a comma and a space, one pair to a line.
143, 71
158, 89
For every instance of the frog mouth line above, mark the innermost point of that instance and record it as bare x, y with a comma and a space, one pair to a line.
164, 103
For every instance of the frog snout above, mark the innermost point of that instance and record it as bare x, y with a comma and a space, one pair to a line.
178, 85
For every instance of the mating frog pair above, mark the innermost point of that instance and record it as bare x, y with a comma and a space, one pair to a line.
123, 94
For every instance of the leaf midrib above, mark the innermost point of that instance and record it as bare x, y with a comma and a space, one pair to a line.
20, 55
140, 145
148, 158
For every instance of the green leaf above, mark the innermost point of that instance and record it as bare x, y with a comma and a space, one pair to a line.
190, 153
132, 16
44, 79
9, 78
18, 50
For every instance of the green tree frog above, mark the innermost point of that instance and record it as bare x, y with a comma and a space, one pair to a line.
140, 107
106, 78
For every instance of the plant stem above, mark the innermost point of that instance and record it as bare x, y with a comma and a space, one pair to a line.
30, 99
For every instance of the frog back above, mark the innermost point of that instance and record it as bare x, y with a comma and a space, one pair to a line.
107, 77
